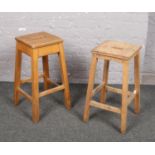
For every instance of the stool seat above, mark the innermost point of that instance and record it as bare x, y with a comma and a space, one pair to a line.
39, 39
117, 49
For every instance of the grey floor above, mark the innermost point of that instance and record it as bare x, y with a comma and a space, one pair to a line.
58, 124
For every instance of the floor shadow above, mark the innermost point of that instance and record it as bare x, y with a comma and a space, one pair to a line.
76, 96
105, 117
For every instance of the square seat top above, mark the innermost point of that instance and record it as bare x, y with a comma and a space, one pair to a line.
117, 49
39, 39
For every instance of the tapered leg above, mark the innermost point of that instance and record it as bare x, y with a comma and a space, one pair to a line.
17, 75
45, 71
64, 76
90, 88
105, 80
137, 83
35, 88
124, 97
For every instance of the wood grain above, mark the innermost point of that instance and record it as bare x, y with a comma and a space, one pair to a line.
117, 49
120, 52
39, 39
137, 82
17, 83
92, 72
35, 87
105, 106
124, 96
45, 71
64, 76
38, 45
105, 81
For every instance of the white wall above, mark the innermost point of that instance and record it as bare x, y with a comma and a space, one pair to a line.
149, 62
80, 31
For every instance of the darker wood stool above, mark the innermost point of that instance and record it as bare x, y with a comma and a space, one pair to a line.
38, 45
120, 52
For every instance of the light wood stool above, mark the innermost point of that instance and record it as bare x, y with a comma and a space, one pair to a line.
120, 52
38, 45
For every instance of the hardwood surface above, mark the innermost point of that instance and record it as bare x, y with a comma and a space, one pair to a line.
90, 87
120, 52
39, 39
38, 45
64, 76
117, 49
105, 81
137, 82
124, 105
35, 87
17, 83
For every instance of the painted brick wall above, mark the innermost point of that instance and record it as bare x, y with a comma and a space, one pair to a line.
149, 62
80, 31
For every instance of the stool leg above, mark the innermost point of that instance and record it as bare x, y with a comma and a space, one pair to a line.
64, 76
137, 83
105, 80
90, 88
124, 97
17, 75
35, 88
45, 71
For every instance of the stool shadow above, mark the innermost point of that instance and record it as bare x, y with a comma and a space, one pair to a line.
78, 101
46, 110
76, 96
25, 113
105, 116
19, 107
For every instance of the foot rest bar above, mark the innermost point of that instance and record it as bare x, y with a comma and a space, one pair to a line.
105, 107
116, 90
52, 90
97, 89
30, 79
51, 82
22, 92
131, 97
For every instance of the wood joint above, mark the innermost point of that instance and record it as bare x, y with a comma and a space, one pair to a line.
131, 97
97, 89
28, 80
22, 92
116, 90
52, 82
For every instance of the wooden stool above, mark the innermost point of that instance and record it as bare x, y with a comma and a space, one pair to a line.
40, 45
120, 52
